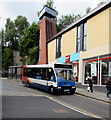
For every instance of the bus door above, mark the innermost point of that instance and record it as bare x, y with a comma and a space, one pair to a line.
51, 77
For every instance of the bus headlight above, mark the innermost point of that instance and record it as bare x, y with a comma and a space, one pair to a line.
73, 87
59, 87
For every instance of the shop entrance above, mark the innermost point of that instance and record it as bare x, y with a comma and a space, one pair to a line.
75, 71
91, 70
105, 67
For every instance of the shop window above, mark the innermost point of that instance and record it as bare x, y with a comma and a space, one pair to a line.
76, 71
105, 70
99, 69
91, 70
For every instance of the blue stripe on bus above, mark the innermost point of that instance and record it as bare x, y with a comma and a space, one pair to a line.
46, 88
39, 86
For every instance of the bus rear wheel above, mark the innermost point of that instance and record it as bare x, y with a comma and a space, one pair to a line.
27, 84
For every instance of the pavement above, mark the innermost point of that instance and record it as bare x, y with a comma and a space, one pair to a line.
99, 92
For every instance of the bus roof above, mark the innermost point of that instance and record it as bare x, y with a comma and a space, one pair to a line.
36, 66
54, 65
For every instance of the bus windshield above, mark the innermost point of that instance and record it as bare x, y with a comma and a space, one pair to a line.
63, 74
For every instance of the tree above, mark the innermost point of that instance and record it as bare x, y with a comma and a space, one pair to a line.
50, 3
0, 51
2, 38
88, 10
14, 31
29, 43
21, 24
10, 34
100, 3
33, 55
66, 20
7, 58
10, 38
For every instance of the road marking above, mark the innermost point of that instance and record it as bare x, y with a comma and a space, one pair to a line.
70, 106
60, 111
75, 108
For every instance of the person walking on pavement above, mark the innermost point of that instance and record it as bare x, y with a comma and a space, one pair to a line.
108, 86
91, 84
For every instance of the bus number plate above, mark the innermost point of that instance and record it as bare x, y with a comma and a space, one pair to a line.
66, 90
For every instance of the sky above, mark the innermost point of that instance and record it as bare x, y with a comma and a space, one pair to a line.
29, 8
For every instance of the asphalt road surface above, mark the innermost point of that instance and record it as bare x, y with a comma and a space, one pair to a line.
19, 101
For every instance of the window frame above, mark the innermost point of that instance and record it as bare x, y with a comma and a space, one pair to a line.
81, 37
58, 46
78, 39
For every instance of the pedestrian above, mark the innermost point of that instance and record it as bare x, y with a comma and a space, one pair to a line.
90, 84
108, 86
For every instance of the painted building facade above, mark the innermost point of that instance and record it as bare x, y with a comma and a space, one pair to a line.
86, 45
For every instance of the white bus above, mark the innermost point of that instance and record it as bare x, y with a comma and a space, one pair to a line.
50, 77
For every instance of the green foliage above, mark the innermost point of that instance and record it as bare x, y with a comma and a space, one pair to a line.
10, 34
66, 20
21, 24
10, 38
29, 43
14, 31
33, 55
88, 10
7, 58
100, 3
50, 3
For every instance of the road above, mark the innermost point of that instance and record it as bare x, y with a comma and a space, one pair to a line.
19, 101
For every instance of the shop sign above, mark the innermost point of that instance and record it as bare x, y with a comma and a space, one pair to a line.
67, 58
93, 69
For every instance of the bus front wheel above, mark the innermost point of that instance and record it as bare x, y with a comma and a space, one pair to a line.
72, 92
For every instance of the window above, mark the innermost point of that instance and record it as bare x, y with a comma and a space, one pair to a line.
39, 73
49, 31
58, 47
81, 37
78, 39
84, 36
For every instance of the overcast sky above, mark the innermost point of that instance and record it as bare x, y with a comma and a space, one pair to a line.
28, 8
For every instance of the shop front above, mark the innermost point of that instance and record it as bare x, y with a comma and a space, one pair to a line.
99, 68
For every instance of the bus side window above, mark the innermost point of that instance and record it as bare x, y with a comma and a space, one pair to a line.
43, 74
51, 75
38, 74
